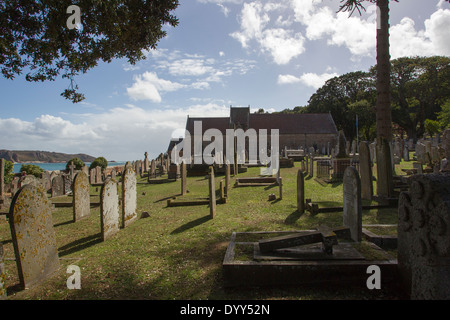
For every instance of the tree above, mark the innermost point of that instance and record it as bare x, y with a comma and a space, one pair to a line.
99, 162
9, 171
420, 86
77, 162
385, 182
32, 169
34, 35
444, 115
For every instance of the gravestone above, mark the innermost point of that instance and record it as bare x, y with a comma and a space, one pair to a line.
129, 196
109, 209
424, 237
300, 192
365, 169
85, 170
92, 173
98, 175
28, 179
71, 167
227, 177
406, 153
2, 275
352, 203
67, 183
81, 197
57, 186
33, 236
311, 167
212, 193
183, 178
146, 163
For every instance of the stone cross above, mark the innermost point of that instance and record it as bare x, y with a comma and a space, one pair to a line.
212, 193
352, 203
109, 209
33, 235
71, 168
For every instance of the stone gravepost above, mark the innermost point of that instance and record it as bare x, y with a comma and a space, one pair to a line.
109, 209
33, 236
183, 178
212, 193
92, 176
129, 196
71, 170
300, 191
98, 175
352, 203
227, 178
424, 237
365, 168
81, 197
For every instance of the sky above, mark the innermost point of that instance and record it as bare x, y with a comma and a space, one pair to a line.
263, 54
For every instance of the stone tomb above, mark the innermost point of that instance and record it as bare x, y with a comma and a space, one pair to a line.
245, 265
33, 236
109, 209
129, 196
81, 197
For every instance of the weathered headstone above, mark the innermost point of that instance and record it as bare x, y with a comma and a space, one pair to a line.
365, 168
81, 197
146, 163
212, 193
352, 203
109, 209
33, 235
300, 192
311, 167
183, 178
227, 177
57, 186
67, 183
92, 174
424, 237
129, 197
98, 175
406, 153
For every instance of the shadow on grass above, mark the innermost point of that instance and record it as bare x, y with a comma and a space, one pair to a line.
79, 244
63, 223
167, 198
191, 224
293, 217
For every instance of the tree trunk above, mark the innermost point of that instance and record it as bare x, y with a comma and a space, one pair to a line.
385, 183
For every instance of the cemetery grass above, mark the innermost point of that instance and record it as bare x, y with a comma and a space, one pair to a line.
177, 252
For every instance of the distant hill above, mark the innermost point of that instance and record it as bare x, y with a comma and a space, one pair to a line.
42, 156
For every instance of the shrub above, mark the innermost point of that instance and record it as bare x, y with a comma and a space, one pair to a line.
99, 162
77, 162
32, 169
9, 171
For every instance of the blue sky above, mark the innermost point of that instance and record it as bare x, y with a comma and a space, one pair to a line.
263, 54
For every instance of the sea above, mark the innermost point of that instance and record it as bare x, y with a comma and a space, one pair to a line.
60, 166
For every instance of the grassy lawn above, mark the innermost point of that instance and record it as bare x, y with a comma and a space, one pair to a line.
177, 252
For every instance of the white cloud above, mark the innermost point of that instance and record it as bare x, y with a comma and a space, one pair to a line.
309, 79
148, 87
287, 79
316, 80
121, 133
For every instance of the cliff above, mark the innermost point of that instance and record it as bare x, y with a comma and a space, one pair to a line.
41, 156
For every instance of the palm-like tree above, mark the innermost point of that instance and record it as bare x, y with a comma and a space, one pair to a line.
385, 183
